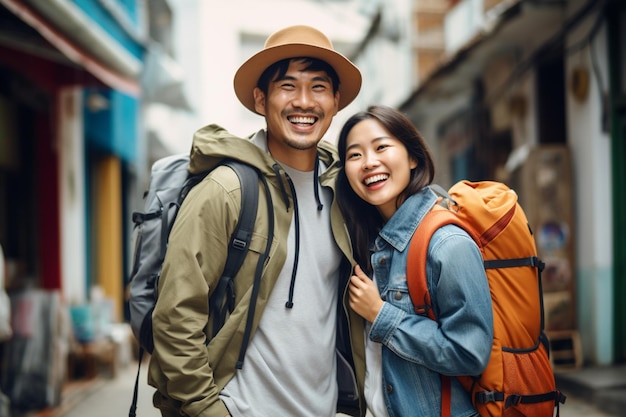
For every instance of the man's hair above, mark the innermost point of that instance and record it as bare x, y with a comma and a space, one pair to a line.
278, 70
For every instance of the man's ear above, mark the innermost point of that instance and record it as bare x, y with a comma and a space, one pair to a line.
259, 101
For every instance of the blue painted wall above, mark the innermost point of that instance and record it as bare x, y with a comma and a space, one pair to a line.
104, 19
113, 130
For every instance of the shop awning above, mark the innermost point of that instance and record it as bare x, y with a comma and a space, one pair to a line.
121, 71
533, 27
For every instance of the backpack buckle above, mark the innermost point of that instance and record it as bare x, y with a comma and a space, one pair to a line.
484, 397
239, 244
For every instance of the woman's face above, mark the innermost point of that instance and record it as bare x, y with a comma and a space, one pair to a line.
378, 166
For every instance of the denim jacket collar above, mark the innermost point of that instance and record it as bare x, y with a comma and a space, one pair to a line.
399, 229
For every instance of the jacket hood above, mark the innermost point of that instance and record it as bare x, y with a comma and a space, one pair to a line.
212, 144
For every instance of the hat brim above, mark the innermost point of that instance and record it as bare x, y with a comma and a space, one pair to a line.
247, 76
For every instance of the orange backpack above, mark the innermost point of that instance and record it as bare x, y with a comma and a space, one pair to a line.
518, 380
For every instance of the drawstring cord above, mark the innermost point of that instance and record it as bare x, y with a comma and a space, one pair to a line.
316, 182
296, 214
265, 255
320, 206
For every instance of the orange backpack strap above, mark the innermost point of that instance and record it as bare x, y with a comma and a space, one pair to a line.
437, 217
446, 396
417, 282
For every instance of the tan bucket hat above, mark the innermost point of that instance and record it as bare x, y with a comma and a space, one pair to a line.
291, 42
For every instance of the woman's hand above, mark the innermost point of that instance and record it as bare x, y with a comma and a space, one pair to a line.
364, 296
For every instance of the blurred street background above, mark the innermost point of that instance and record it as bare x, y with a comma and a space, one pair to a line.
528, 92
104, 398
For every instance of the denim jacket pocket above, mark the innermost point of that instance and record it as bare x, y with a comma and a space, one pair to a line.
398, 296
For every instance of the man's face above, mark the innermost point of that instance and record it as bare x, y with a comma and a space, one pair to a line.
298, 109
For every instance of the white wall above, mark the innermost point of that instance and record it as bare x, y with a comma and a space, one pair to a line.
462, 22
592, 181
387, 63
72, 191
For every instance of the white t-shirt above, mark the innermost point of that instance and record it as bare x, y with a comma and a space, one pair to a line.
374, 375
290, 364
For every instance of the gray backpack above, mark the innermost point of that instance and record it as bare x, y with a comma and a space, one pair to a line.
170, 182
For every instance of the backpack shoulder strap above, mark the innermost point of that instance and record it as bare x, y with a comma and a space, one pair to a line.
222, 299
436, 218
417, 282
242, 234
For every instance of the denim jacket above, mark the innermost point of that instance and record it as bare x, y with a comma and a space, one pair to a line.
416, 349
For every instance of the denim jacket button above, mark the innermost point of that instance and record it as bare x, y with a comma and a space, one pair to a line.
389, 389
382, 260
377, 339
398, 295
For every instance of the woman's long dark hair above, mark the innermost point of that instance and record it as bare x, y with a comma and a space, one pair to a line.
363, 219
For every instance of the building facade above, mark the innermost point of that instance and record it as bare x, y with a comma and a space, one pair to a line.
532, 93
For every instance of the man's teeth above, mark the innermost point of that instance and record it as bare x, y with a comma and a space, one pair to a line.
376, 178
302, 119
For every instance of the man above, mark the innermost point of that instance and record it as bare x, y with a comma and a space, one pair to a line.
295, 355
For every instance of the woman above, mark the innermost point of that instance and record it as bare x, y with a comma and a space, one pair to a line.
383, 191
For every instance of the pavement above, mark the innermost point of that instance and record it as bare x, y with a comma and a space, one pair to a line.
591, 392
599, 390
105, 396
114, 397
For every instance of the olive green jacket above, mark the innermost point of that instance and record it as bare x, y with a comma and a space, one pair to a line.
188, 374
